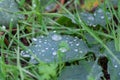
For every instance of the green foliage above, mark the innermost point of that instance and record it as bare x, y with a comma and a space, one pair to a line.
59, 56
48, 71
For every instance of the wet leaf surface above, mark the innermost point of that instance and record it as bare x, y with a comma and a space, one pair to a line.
9, 12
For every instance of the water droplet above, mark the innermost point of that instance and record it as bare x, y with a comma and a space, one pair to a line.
52, 48
42, 50
25, 54
3, 27
75, 40
119, 73
94, 25
102, 17
56, 37
42, 36
36, 45
34, 39
46, 48
63, 49
71, 42
45, 42
11, 19
77, 44
81, 51
99, 10
54, 31
94, 14
40, 41
54, 53
76, 50
116, 66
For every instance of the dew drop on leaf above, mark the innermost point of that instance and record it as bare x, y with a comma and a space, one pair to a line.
81, 51
34, 39
63, 49
77, 44
116, 66
43, 51
46, 48
76, 50
54, 53
56, 37
102, 17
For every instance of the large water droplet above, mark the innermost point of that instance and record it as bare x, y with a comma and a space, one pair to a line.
77, 44
56, 37
116, 66
63, 49
34, 39
42, 50
54, 53
102, 17
3, 27
46, 48
76, 50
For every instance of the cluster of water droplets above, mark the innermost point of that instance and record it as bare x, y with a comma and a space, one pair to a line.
99, 17
46, 47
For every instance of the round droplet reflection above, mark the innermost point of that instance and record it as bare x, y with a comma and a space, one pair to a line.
56, 37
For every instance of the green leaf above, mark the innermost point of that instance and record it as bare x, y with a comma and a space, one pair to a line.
113, 66
83, 71
99, 17
46, 48
9, 12
66, 21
